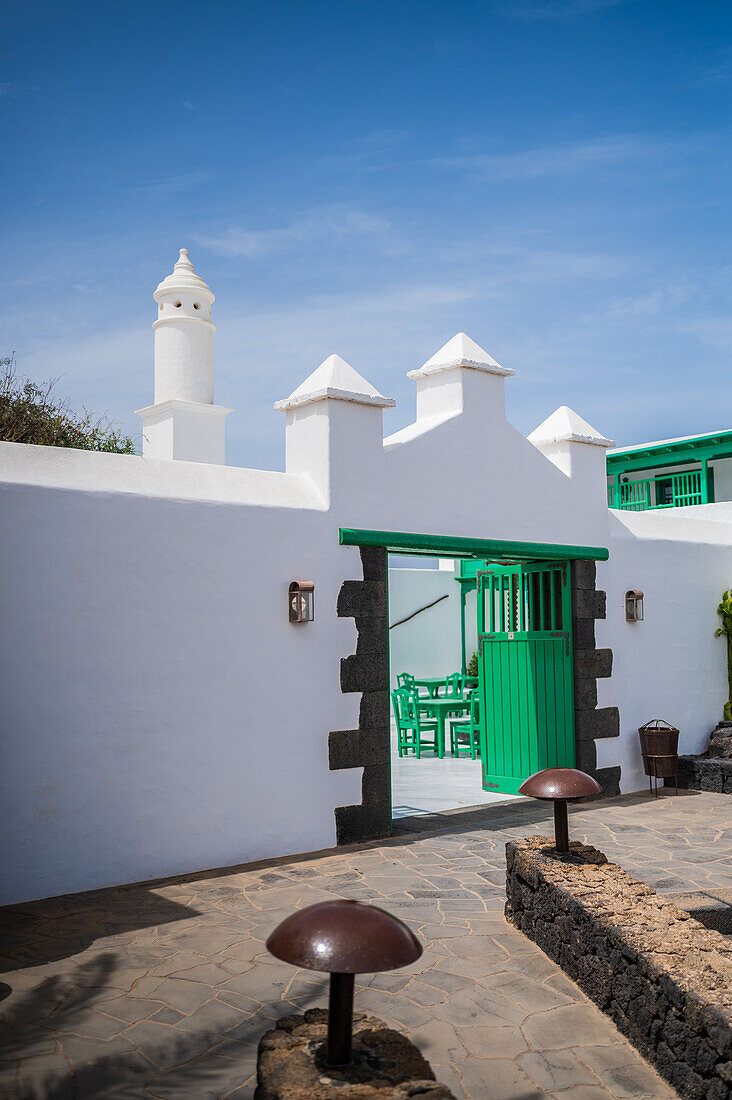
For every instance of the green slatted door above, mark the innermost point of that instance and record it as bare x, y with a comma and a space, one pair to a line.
525, 672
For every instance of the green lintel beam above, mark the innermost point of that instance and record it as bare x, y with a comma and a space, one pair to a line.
448, 546
662, 463
641, 464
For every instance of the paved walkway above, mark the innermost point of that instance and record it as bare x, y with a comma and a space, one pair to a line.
164, 990
430, 785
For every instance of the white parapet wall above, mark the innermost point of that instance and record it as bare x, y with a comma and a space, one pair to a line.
161, 715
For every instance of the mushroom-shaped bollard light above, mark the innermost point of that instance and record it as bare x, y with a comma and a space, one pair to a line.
560, 785
343, 938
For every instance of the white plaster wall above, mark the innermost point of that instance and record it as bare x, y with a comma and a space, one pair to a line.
185, 431
457, 478
670, 665
160, 715
722, 479
429, 644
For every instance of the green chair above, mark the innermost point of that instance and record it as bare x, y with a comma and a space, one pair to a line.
469, 726
454, 690
454, 687
413, 731
406, 680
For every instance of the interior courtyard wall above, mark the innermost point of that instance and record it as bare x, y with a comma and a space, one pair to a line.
722, 479
428, 644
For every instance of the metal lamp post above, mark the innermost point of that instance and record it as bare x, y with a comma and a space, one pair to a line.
343, 938
560, 786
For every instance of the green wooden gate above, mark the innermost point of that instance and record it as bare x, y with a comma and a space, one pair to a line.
525, 672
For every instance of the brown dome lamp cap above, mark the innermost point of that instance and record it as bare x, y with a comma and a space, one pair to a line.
560, 785
343, 938
567, 783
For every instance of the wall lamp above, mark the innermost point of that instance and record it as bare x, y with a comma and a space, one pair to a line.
633, 605
301, 600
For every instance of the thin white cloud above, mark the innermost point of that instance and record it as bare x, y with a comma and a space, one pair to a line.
714, 331
715, 70
528, 10
548, 265
180, 182
10, 90
315, 226
569, 159
368, 152
660, 301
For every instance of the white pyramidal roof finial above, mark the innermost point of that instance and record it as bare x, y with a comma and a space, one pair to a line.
183, 263
335, 379
183, 277
461, 351
566, 426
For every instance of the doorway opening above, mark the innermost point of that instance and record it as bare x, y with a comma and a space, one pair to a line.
481, 687
493, 643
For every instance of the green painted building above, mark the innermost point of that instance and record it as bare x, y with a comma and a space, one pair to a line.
671, 473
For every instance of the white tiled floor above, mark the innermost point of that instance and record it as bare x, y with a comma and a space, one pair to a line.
429, 785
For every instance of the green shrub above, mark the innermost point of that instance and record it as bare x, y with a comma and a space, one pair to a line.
725, 612
29, 414
473, 665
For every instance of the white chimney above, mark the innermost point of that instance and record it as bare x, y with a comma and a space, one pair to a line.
184, 423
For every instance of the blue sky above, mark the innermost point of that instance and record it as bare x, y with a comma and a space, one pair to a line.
550, 176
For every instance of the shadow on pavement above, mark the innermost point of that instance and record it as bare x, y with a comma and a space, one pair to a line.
45, 931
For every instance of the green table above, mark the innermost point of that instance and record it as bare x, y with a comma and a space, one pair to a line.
440, 708
432, 683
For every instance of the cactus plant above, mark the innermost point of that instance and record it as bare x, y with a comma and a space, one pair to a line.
725, 612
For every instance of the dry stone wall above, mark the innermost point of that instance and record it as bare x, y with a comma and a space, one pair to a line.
703, 773
711, 770
662, 977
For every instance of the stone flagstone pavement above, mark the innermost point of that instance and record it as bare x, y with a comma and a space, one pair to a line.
163, 989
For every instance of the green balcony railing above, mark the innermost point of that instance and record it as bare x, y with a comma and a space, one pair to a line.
670, 491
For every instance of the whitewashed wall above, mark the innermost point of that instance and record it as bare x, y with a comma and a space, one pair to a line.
670, 665
429, 644
723, 479
159, 713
